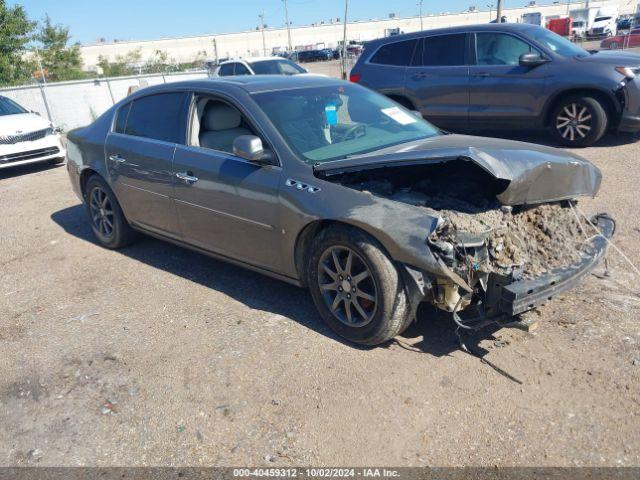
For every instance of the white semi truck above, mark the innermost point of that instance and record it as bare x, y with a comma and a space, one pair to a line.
594, 21
605, 24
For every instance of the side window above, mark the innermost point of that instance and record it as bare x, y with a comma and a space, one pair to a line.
162, 117
242, 70
398, 53
121, 118
218, 124
441, 51
500, 49
226, 70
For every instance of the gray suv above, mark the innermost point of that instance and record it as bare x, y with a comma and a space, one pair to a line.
506, 76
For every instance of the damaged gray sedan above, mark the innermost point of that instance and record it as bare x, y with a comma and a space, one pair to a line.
333, 187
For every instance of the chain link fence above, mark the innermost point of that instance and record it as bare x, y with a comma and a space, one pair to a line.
77, 103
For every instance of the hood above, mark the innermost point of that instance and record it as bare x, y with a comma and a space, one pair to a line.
535, 173
22, 123
612, 57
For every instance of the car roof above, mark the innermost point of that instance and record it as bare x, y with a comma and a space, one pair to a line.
251, 59
248, 83
503, 27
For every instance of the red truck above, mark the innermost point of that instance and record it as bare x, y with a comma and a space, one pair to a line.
561, 26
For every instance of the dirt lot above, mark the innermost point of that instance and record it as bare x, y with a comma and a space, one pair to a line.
155, 355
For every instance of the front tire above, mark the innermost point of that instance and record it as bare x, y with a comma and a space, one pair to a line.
356, 287
578, 121
108, 223
613, 46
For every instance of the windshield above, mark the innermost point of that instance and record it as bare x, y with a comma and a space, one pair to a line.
9, 107
276, 67
335, 122
557, 44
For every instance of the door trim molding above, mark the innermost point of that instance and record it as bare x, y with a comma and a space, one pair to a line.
230, 215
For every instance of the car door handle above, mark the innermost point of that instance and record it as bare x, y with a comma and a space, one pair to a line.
481, 74
420, 75
187, 177
117, 158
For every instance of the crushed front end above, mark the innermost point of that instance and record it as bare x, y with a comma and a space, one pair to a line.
497, 294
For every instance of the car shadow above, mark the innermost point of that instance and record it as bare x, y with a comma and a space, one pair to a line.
264, 293
19, 171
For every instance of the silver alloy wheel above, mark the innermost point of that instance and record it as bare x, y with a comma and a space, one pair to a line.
613, 46
574, 120
347, 286
102, 215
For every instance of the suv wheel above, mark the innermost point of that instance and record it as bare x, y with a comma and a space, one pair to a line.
613, 46
578, 121
108, 223
356, 287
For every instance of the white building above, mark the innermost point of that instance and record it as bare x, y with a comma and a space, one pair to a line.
250, 43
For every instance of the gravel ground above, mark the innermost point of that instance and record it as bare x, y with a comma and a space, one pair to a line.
154, 355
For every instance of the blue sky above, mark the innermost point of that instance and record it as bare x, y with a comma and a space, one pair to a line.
144, 19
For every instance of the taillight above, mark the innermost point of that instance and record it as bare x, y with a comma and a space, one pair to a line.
355, 77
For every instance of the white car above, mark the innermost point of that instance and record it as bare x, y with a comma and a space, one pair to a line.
258, 66
26, 137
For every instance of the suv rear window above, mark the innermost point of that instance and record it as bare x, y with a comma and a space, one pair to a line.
441, 51
397, 53
162, 117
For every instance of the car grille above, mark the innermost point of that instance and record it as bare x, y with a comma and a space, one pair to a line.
29, 155
598, 31
25, 137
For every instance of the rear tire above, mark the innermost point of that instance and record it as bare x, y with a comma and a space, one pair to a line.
107, 221
578, 121
363, 299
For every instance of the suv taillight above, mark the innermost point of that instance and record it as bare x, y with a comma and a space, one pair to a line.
355, 77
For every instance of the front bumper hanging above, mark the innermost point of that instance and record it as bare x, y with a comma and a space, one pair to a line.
510, 299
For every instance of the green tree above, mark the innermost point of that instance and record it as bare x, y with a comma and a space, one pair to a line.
60, 60
158, 63
128, 64
16, 31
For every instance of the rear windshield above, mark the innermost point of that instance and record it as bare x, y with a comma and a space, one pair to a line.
9, 107
276, 67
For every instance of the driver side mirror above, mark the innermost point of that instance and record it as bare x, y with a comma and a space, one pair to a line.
250, 148
531, 59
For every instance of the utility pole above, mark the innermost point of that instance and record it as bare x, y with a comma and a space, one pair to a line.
43, 85
286, 18
420, 5
264, 43
499, 11
344, 41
